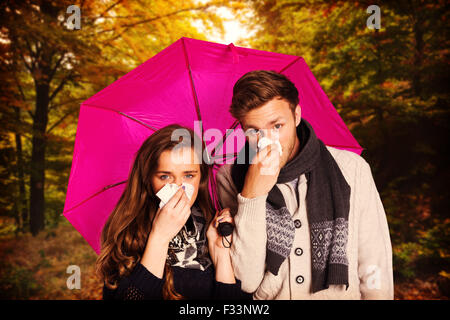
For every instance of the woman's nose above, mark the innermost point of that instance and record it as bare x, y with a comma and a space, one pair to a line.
178, 181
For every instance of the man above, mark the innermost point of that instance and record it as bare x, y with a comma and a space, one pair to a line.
309, 222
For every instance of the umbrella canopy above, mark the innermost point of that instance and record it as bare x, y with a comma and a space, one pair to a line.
191, 80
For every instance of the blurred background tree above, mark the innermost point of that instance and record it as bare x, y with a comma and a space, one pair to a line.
49, 69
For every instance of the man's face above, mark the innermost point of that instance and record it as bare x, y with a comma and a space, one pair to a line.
274, 120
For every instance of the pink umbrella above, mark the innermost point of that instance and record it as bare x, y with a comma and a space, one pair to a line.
191, 80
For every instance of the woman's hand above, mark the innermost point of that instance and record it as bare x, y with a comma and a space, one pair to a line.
220, 254
167, 223
171, 218
215, 243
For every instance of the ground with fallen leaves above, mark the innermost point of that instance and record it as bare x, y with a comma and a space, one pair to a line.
36, 268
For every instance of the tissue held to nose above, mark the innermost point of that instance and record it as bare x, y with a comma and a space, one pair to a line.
168, 191
263, 142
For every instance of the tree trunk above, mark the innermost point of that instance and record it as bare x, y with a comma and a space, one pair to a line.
22, 210
37, 178
418, 57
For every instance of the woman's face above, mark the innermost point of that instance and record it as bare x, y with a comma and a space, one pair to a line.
177, 166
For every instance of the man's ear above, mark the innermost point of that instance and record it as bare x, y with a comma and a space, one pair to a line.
298, 115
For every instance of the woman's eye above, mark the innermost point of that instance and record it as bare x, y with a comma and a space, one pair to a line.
164, 177
278, 126
252, 132
189, 176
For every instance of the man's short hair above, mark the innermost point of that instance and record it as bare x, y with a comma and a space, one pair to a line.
258, 87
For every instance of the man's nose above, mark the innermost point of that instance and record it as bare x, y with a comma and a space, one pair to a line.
268, 133
262, 133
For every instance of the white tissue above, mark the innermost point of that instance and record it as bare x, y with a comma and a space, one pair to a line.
168, 191
264, 142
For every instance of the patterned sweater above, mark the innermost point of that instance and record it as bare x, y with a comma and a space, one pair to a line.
369, 248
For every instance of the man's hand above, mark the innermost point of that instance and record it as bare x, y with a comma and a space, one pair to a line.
262, 173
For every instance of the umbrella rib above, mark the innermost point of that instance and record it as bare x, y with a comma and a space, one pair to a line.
96, 194
345, 147
138, 121
194, 93
225, 156
115, 184
123, 114
224, 137
290, 64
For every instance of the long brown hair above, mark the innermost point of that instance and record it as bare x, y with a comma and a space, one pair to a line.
126, 231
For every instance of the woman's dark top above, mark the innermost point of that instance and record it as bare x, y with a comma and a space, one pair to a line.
141, 284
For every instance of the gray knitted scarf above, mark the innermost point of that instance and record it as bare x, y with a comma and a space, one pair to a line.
327, 203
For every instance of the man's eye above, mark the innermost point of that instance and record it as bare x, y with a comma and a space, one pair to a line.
252, 132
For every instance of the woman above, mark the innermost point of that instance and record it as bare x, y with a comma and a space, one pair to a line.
170, 252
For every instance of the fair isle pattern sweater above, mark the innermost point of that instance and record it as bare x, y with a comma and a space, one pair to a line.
369, 246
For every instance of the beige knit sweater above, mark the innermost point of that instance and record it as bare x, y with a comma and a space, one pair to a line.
369, 250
